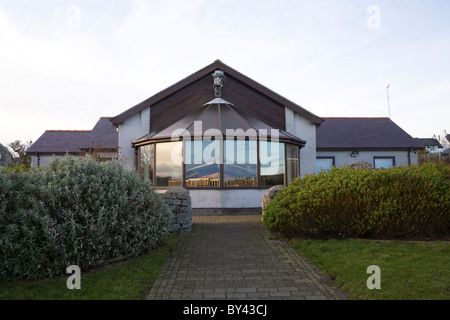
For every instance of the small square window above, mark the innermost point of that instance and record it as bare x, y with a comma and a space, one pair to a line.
325, 163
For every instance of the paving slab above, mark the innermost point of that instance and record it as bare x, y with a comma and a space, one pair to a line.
234, 257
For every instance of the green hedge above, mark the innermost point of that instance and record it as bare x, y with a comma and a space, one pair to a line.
75, 212
402, 202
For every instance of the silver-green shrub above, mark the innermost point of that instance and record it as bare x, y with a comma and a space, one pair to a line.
75, 212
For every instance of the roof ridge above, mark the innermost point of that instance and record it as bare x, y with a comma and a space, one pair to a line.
68, 130
217, 64
355, 117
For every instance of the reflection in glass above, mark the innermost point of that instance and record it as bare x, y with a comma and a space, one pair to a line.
202, 163
240, 163
169, 168
206, 163
292, 162
271, 155
146, 162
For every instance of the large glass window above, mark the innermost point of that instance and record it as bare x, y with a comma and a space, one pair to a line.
202, 163
168, 164
324, 163
217, 164
292, 162
146, 156
240, 163
271, 156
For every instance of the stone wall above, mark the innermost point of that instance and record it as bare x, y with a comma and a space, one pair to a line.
179, 201
269, 195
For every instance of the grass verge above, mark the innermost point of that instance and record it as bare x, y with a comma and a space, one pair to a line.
129, 280
409, 270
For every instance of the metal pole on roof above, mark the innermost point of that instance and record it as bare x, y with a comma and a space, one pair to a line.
389, 104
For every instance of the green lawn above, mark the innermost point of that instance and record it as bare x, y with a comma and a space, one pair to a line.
131, 280
409, 270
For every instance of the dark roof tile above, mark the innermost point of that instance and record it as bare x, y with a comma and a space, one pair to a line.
102, 136
59, 142
363, 133
428, 142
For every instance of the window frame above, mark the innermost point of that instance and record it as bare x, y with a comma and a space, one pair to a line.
221, 166
155, 161
286, 162
284, 158
220, 186
139, 167
257, 177
333, 158
394, 163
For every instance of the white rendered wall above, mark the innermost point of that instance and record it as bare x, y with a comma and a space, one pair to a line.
243, 198
132, 129
229, 199
414, 158
34, 161
44, 160
305, 130
343, 158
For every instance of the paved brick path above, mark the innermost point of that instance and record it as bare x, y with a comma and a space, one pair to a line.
234, 257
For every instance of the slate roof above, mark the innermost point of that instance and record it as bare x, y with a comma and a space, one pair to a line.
59, 142
363, 133
102, 136
428, 142
6, 157
5, 150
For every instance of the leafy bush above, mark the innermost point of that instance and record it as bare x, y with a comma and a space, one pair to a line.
75, 212
402, 202
17, 168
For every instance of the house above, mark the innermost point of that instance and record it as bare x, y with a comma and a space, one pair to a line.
101, 140
444, 139
431, 145
227, 139
370, 142
6, 157
220, 134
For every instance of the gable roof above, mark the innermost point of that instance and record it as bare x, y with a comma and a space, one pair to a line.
102, 136
363, 133
59, 142
5, 150
209, 70
428, 142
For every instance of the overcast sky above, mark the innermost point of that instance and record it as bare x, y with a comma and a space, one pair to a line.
64, 64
